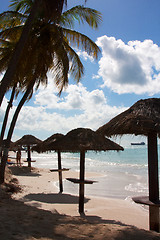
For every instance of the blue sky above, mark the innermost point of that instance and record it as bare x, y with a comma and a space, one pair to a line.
128, 69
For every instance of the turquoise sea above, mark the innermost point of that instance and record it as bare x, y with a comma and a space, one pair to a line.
121, 174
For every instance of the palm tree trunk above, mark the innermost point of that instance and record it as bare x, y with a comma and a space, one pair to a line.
6, 80
10, 132
53, 8
6, 117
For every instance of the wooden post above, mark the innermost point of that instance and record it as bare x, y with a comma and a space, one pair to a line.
29, 156
60, 172
154, 218
81, 186
153, 180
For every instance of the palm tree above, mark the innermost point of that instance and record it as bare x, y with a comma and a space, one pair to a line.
68, 37
6, 50
51, 7
57, 56
39, 67
67, 18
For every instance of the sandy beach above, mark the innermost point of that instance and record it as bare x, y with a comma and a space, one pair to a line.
39, 211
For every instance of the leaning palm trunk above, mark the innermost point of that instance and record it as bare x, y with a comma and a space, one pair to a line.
10, 132
5, 82
6, 118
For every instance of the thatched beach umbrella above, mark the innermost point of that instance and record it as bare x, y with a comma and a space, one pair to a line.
143, 118
28, 141
82, 140
41, 147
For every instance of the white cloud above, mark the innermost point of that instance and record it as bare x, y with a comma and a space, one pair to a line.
85, 55
130, 68
76, 97
3, 108
95, 76
78, 108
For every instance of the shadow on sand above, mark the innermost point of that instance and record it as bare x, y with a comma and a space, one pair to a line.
20, 221
24, 171
54, 198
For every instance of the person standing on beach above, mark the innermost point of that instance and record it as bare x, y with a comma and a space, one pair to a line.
18, 157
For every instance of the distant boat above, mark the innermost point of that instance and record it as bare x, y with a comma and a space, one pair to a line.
141, 143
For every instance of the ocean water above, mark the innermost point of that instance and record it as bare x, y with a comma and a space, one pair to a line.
122, 174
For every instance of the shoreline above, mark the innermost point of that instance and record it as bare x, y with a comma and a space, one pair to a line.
117, 179
39, 190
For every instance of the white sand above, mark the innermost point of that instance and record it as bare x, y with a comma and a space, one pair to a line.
39, 190
39, 212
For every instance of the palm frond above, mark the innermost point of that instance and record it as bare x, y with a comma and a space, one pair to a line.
76, 67
11, 19
6, 51
81, 14
81, 41
61, 68
23, 6
12, 34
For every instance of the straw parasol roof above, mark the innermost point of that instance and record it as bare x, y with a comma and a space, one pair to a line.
143, 118
41, 147
83, 139
53, 138
27, 140
140, 119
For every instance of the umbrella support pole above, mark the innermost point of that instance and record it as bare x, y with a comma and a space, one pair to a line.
29, 156
154, 218
153, 181
60, 173
81, 185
